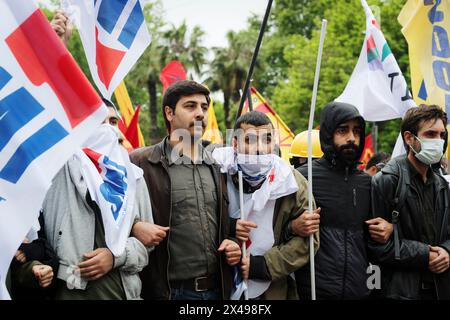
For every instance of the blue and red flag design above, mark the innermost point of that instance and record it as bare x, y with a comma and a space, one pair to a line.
47, 109
114, 36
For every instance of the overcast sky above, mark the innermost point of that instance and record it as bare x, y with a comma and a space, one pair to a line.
215, 17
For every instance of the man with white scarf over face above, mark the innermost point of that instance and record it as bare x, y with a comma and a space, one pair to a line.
98, 257
274, 194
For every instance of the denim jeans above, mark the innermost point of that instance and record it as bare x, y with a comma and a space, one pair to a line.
185, 294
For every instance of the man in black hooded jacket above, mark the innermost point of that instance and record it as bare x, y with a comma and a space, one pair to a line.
342, 192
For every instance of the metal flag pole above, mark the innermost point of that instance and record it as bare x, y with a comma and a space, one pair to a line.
255, 55
310, 125
243, 217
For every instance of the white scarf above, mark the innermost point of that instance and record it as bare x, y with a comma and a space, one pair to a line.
111, 181
259, 206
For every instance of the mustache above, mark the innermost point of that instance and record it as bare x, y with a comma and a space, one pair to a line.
194, 123
347, 146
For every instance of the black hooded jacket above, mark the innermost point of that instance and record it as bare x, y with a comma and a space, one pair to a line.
342, 191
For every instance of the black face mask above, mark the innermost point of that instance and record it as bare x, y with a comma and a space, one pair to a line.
297, 162
348, 153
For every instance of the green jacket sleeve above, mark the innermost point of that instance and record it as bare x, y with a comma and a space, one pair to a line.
24, 276
288, 256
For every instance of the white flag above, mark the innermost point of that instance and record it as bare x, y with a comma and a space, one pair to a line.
111, 180
377, 86
114, 36
47, 110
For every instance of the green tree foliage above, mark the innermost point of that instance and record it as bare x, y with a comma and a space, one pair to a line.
178, 44
229, 69
292, 98
296, 25
299, 16
285, 67
175, 43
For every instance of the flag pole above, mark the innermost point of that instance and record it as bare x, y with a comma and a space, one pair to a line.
255, 55
375, 136
310, 125
243, 217
250, 102
374, 124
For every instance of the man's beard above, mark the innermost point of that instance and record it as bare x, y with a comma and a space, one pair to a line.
348, 152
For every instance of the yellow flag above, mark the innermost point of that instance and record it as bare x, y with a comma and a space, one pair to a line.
426, 27
285, 135
126, 108
212, 132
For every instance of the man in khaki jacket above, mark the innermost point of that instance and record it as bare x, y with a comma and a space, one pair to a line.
274, 194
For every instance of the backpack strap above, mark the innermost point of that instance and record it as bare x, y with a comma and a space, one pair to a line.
398, 202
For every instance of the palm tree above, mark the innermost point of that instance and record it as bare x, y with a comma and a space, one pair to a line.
173, 44
179, 45
229, 69
145, 74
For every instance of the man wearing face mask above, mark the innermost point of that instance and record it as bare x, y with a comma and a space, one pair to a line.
342, 192
113, 120
95, 184
415, 261
274, 193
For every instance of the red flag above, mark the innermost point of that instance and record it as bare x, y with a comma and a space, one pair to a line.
368, 151
172, 72
122, 126
132, 133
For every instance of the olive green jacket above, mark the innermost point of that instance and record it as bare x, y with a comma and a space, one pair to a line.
288, 253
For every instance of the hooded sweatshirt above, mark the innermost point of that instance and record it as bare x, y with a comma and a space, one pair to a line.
343, 193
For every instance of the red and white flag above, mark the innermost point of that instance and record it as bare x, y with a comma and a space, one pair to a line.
47, 110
